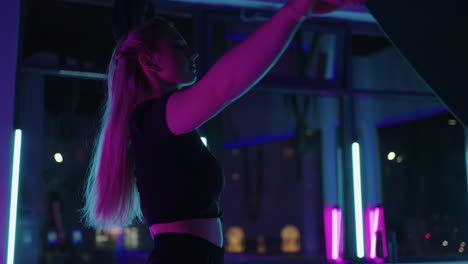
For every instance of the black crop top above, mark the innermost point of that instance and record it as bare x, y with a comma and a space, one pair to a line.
177, 176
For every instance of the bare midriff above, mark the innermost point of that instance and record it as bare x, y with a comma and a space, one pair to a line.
208, 228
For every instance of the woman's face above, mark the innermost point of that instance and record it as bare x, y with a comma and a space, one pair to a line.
176, 60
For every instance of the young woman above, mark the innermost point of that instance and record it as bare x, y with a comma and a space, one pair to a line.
149, 162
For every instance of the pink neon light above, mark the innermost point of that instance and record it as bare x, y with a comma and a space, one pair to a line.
375, 222
339, 232
335, 234
383, 231
328, 225
370, 216
374, 219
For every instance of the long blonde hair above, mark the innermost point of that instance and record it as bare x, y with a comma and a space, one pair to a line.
110, 194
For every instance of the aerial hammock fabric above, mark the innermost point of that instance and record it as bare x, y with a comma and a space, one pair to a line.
432, 36
128, 14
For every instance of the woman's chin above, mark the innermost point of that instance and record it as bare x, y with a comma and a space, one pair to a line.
193, 80
189, 82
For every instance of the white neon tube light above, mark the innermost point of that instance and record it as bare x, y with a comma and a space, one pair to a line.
14, 197
205, 141
358, 200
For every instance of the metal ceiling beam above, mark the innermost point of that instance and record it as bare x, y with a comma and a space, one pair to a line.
350, 13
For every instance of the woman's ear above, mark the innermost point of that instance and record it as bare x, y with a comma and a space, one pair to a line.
146, 62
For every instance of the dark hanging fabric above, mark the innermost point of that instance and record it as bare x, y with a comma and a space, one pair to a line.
431, 35
128, 14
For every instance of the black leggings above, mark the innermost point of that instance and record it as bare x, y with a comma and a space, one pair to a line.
183, 248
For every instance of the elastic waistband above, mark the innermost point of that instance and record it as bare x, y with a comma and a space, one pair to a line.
185, 227
185, 242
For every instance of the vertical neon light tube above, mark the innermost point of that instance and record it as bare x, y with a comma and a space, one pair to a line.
205, 141
369, 213
328, 223
374, 217
340, 233
358, 201
14, 197
335, 234
383, 231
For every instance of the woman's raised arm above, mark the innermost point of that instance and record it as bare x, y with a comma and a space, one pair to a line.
237, 71
247, 63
